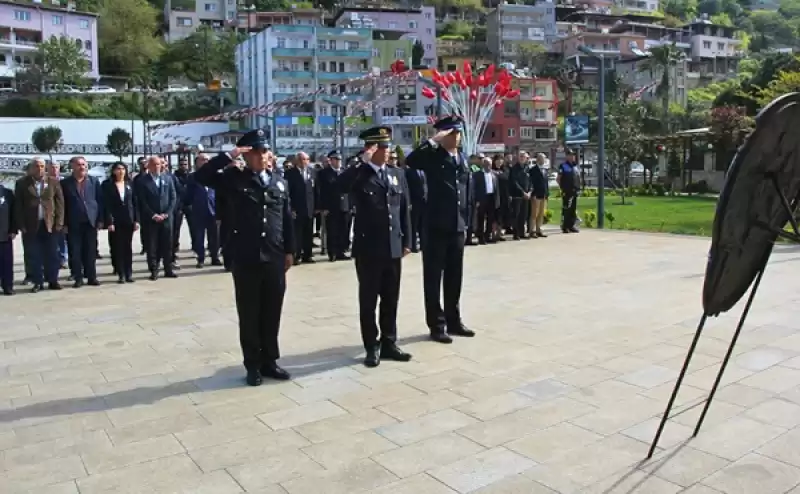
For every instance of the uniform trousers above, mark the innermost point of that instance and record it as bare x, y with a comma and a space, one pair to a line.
442, 272
6, 265
82, 240
259, 290
378, 277
337, 233
304, 235
417, 217
177, 224
160, 244
224, 229
120, 243
569, 203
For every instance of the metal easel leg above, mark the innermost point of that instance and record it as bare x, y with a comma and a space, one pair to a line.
728, 354
678, 383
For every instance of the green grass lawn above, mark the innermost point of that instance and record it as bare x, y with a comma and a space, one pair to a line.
688, 215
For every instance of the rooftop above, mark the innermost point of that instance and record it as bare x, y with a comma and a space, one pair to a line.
50, 7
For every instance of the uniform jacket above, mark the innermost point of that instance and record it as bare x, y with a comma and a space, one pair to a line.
302, 191
8, 222
449, 201
153, 199
261, 226
27, 202
82, 209
332, 196
382, 224
519, 183
119, 211
417, 186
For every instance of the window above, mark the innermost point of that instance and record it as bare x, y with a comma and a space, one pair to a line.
412, 24
79, 43
526, 132
87, 44
85, 24
388, 112
429, 47
211, 7
332, 44
295, 66
323, 111
22, 15
413, 39
295, 88
58, 20
282, 87
511, 132
376, 52
721, 46
400, 54
707, 45
544, 134
429, 31
427, 15
321, 45
352, 45
183, 21
540, 114
428, 61
281, 42
305, 44
392, 25
321, 67
307, 66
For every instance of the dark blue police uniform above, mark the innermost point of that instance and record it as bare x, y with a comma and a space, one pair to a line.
568, 183
8, 228
382, 236
446, 219
260, 240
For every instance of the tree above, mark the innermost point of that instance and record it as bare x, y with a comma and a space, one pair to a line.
531, 55
202, 56
681, 9
769, 30
417, 54
61, 60
47, 139
624, 137
661, 63
128, 44
729, 124
119, 143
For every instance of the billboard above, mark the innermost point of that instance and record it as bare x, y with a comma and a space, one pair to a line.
576, 129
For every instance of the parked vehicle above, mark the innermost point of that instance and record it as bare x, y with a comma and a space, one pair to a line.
101, 89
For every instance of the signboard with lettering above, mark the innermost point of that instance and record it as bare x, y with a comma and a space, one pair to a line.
78, 149
411, 120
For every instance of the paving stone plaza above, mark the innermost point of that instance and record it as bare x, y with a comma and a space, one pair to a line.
139, 388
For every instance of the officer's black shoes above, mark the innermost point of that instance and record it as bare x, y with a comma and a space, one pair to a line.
153, 276
574, 230
36, 288
342, 258
216, 262
253, 378
308, 260
121, 281
199, 265
460, 330
275, 371
54, 286
441, 337
373, 358
170, 275
129, 280
93, 282
77, 284
8, 291
390, 351
564, 230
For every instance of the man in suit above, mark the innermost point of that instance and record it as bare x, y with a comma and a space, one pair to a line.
569, 184
446, 218
156, 196
301, 182
418, 195
262, 246
202, 202
382, 239
83, 213
335, 203
520, 190
141, 164
180, 177
487, 200
39, 208
8, 232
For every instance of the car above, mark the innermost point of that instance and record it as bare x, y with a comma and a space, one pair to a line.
177, 88
63, 88
101, 89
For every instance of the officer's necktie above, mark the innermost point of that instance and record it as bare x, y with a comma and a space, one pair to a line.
384, 178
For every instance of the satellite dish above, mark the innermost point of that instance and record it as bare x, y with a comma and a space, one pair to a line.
760, 197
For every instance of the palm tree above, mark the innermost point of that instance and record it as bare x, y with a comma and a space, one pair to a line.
662, 60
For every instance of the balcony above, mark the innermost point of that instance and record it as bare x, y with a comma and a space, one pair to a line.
298, 29
362, 54
339, 32
18, 44
293, 52
283, 96
338, 76
292, 74
340, 99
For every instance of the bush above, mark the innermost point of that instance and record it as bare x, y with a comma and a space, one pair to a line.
548, 216
589, 217
700, 187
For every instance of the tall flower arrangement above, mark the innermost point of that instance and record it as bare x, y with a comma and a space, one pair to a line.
472, 96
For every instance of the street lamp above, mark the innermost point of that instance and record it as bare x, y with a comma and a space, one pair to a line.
601, 134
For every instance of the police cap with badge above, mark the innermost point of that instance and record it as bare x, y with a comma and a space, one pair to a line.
334, 155
380, 136
455, 124
255, 139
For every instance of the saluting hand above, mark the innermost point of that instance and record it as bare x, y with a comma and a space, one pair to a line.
441, 135
366, 156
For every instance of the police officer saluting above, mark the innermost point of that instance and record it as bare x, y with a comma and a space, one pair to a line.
382, 238
261, 246
446, 222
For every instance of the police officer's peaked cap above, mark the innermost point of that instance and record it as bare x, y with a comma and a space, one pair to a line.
335, 155
450, 123
256, 139
381, 135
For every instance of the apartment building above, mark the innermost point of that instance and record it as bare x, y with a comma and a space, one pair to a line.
183, 21
631, 73
251, 20
509, 28
454, 54
24, 26
613, 47
290, 61
715, 51
527, 122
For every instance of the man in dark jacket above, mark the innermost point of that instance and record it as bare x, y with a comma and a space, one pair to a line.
540, 191
8, 232
335, 204
301, 179
418, 195
381, 240
568, 182
520, 191
180, 177
83, 217
487, 199
262, 247
202, 202
156, 197
446, 218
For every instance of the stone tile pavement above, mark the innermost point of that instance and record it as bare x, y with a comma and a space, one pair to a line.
138, 388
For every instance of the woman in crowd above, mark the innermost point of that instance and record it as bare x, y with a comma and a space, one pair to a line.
122, 219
